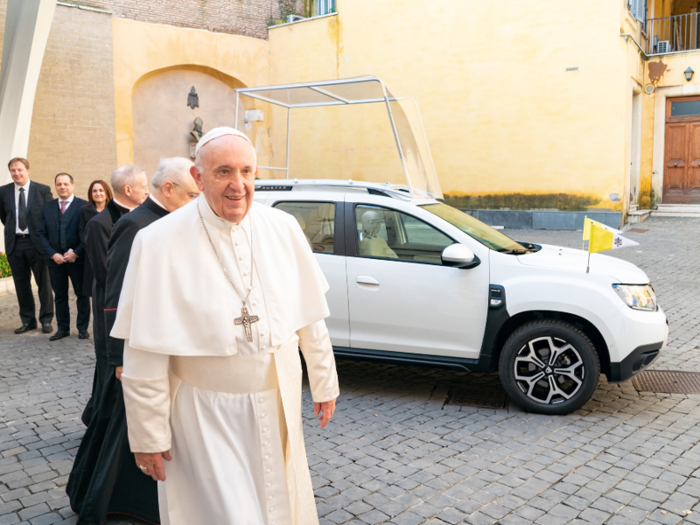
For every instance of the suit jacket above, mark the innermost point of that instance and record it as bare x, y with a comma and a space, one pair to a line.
118, 259
38, 195
49, 229
98, 231
87, 212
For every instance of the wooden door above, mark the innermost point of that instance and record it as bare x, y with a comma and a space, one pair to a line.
692, 177
676, 148
682, 151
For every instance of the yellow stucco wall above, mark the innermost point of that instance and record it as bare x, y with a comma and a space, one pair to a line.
500, 111
140, 49
502, 114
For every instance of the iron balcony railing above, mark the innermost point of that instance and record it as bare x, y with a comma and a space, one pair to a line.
672, 34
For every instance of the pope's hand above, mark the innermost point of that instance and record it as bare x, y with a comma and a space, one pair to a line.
326, 410
152, 464
118, 372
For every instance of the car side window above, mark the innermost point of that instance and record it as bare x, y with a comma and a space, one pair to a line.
317, 221
390, 234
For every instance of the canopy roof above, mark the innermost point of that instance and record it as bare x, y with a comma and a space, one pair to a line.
360, 90
402, 111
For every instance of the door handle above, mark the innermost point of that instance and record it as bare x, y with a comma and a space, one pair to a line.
364, 279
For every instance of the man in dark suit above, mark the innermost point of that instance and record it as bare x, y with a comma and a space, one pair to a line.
130, 187
105, 478
20, 206
59, 233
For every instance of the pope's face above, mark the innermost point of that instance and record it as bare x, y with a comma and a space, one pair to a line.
228, 178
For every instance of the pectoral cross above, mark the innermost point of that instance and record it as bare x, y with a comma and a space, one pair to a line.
246, 320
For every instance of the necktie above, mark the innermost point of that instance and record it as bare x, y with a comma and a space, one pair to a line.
63, 206
22, 211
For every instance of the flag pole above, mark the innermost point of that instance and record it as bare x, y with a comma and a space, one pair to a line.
583, 241
588, 266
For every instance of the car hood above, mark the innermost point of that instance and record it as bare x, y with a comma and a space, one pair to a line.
569, 259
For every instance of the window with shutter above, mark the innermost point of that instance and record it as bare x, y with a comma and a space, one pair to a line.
641, 12
632, 7
638, 8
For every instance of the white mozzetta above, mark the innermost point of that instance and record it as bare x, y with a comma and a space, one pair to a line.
157, 314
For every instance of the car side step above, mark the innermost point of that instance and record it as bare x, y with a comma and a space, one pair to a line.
403, 358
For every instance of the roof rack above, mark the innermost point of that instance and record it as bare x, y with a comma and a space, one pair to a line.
386, 188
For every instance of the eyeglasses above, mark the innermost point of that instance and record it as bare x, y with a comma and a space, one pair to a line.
191, 195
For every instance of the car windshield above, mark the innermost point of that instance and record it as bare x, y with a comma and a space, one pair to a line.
476, 229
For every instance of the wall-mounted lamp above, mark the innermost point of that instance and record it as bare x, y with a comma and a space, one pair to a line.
689, 74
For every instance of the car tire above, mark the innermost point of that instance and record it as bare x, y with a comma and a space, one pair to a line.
549, 367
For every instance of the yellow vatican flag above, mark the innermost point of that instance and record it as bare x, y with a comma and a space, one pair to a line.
587, 228
603, 239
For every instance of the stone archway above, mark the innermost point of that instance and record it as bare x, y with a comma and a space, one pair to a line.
163, 120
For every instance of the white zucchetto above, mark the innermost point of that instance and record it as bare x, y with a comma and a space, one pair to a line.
221, 131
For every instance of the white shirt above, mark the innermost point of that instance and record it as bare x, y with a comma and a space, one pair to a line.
69, 200
26, 201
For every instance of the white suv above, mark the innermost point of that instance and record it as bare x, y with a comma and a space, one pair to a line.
418, 282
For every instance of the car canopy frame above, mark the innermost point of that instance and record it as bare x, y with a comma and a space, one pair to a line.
409, 136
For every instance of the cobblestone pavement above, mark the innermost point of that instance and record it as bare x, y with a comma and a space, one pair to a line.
399, 451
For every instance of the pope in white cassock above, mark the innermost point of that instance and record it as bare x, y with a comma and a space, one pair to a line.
217, 298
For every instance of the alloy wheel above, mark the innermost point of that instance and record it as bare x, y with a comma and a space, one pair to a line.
549, 370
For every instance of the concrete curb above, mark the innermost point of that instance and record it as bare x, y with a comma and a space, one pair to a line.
7, 285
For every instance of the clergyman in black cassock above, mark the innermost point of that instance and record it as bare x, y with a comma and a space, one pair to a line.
98, 232
105, 478
86, 213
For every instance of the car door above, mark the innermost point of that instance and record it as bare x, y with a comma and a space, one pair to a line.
321, 220
401, 297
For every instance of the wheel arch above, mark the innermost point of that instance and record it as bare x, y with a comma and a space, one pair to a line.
516, 321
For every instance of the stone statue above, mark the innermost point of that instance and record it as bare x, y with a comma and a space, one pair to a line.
193, 99
197, 130
195, 134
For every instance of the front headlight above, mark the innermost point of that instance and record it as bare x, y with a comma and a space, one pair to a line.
637, 296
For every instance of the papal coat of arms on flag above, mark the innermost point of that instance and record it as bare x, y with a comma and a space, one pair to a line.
602, 238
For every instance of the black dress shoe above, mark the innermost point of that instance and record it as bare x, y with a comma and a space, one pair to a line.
46, 328
84, 334
26, 327
59, 335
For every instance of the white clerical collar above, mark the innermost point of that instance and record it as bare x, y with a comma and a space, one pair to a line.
122, 205
157, 202
212, 218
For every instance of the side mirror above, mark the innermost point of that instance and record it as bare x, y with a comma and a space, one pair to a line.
459, 256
